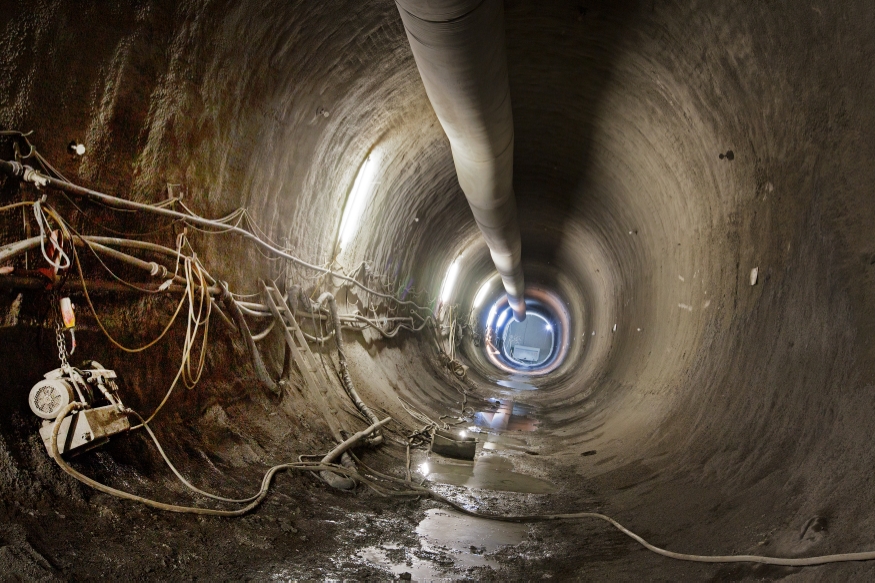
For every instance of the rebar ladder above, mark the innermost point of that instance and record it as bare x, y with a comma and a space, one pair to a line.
304, 359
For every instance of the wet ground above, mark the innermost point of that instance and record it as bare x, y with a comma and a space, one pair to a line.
308, 531
454, 543
304, 530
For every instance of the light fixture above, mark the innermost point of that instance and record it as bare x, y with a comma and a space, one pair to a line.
492, 311
450, 280
482, 293
502, 318
358, 197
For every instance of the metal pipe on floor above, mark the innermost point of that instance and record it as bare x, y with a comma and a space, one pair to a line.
459, 50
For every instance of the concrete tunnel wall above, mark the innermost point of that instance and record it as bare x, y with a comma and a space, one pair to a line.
733, 416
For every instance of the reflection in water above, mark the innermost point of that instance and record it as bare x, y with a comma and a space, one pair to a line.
507, 417
466, 537
518, 385
407, 562
449, 541
489, 472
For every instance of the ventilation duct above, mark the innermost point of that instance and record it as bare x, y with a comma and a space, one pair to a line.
459, 50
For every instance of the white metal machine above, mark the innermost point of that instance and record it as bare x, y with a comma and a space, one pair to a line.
92, 385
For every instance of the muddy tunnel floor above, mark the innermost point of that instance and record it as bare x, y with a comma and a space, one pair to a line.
305, 530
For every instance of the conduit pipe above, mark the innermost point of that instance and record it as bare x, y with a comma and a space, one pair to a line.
346, 380
257, 362
459, 50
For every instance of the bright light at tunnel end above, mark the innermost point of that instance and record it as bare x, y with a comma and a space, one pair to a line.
515, 347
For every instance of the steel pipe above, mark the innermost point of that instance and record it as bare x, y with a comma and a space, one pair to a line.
459, 50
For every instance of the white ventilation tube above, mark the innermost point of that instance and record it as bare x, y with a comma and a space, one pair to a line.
459, 50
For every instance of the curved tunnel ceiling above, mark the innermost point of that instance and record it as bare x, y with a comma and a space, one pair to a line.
663, 152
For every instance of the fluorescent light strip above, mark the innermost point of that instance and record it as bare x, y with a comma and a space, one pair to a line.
502, 318
358, 197
450, 280
482, 293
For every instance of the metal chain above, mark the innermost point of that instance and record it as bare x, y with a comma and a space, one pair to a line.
62, 346
59, 332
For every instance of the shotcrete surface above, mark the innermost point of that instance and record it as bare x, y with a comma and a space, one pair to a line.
664, 150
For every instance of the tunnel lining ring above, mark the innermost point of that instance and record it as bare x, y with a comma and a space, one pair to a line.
497, 322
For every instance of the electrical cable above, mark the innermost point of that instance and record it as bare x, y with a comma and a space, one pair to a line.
413, 489
345, 378
100, 225
16, 205
165, 399
189, 379
41, 221
239, 214
71, 188
103, 328
106, 267
256, 500
180, 476
191, 334
23, 136
263, 334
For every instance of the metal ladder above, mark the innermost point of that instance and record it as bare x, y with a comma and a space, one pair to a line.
314, 378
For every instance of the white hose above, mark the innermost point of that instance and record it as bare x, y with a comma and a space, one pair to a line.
255, 500
265, 485
63, 260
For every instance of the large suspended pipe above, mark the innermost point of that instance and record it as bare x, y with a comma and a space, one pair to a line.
459, 50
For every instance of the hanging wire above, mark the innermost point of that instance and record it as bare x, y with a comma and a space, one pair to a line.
41, 221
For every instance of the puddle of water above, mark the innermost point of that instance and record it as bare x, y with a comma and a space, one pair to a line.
500, 439
419, 569
507, 417
488, 473
468, 538
496, 442
455, 540
518, 385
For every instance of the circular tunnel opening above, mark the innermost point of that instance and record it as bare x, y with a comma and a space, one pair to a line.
534, 346
528, 343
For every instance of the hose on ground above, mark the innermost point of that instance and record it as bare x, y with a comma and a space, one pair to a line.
347, 482
414, 489
787, 562
256, 500
339, 481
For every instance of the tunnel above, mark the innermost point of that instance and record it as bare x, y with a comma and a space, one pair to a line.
253, 213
